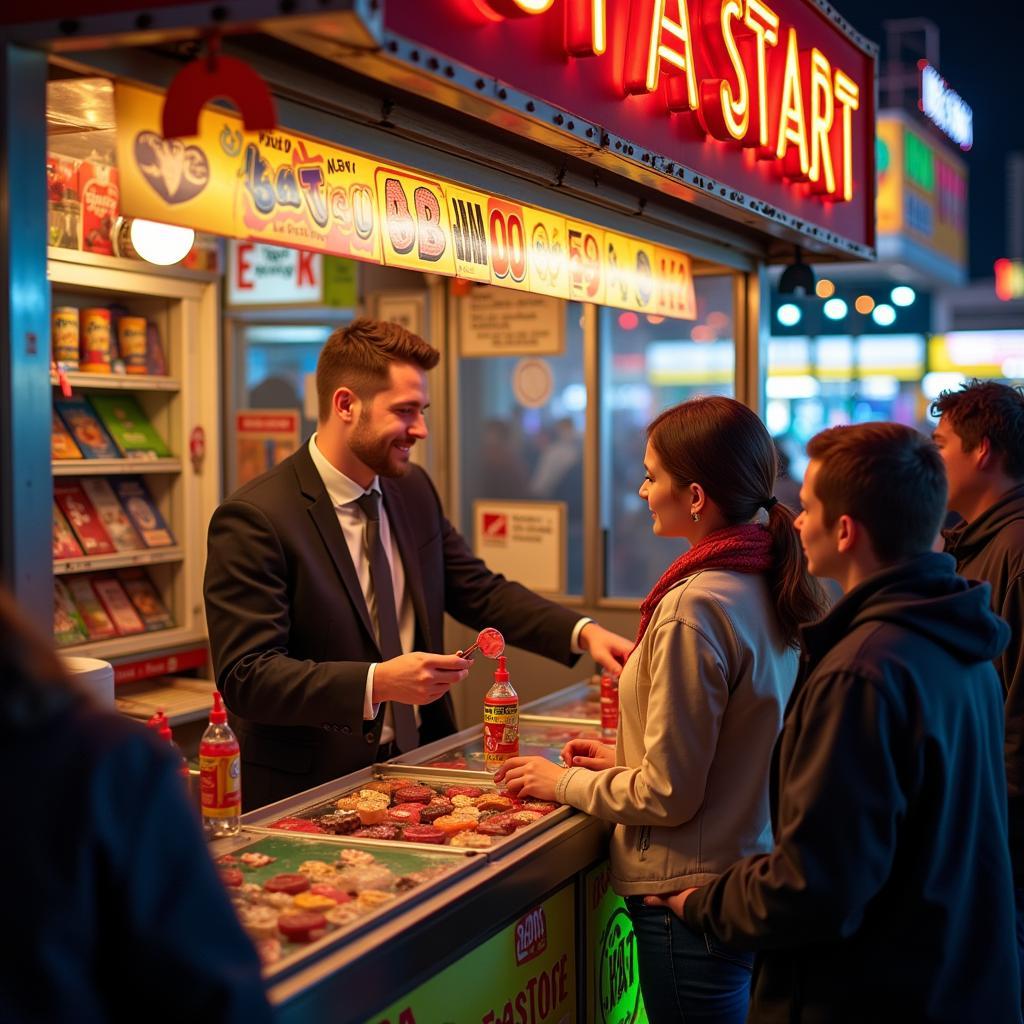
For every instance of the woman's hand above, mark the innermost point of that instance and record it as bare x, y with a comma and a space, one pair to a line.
588, 754
673, 901
530, 776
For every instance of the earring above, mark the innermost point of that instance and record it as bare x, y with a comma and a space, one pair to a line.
695, 516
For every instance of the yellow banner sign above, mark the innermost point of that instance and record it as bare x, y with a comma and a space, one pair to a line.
286, 189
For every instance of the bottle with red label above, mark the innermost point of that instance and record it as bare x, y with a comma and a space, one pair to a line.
159, 724
501, 720
220, 775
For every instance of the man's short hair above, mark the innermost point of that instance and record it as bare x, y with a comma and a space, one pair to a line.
986, 408
360, 355
887, 477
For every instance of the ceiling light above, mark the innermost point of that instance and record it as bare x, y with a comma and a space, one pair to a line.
788, 314
884, 315
835, 309
902, 295
864, 304
825, 289
797, 277
162, 244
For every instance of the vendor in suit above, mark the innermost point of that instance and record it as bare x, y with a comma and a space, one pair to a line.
328, 578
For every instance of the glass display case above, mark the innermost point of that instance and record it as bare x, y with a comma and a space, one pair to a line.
412, 808
296, 896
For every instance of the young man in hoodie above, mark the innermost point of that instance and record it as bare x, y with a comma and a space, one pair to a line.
980, 436
888, 892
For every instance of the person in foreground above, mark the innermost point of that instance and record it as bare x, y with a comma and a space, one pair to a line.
887, 894
701, 700
328, 579
114, 909
980, 436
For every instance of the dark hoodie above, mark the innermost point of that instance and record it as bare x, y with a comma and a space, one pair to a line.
888, 894
991, 549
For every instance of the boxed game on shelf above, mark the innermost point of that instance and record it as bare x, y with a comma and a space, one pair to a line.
143, 512
82, 516
104, 605
62, 444
128, 426
89, 434
105, 516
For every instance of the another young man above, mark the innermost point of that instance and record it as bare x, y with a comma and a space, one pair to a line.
980, 436
888, 892
328, 579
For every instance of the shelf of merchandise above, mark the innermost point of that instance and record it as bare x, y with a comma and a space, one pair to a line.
131, 648
117, 381
185, 306
114, 467
122, 560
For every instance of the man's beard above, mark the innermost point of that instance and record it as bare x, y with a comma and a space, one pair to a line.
375, 452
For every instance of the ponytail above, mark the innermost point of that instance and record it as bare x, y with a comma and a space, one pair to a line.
799, 597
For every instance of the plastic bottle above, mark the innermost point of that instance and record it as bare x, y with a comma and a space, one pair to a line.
501, 719
220, 781
159, 724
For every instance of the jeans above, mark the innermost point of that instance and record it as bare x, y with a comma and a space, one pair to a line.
684, 976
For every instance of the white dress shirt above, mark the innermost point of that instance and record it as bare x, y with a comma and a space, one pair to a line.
343, 493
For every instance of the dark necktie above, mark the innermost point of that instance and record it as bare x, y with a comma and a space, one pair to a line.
383, 609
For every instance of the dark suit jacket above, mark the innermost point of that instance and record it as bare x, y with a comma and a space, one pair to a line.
291, 635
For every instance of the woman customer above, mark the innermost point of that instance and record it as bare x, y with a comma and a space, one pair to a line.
114, 909
701, 700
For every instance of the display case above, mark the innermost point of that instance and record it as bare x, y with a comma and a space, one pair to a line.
347, 887
151, 505
411, 807
431, 937
580, 703
533, 918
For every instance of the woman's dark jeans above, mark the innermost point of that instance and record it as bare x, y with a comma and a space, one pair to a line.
685, 976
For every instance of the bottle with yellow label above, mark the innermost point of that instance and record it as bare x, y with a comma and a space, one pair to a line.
220, 781
501, 720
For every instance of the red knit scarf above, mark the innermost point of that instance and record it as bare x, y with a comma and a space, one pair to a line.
746, 548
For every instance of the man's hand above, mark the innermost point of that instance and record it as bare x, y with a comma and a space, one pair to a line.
588, 754
418, 678
608, 649
674, 901
530, 776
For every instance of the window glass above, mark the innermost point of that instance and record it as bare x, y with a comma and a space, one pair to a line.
511, 450
649, 363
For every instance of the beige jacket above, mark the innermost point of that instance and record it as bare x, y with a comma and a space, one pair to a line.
701, 702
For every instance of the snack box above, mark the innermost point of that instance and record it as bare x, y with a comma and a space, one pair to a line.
536, 737
325, 891
579, 703
415, 808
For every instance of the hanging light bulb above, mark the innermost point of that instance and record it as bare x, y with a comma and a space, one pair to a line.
162, 244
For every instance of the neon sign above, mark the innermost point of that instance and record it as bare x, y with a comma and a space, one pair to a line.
733, 69
944, 107
1009, 279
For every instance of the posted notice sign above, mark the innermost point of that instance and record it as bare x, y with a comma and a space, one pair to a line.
263, 438
523, 540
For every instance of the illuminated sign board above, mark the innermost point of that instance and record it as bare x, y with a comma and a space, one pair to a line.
287, 189
922, 200
1009, 279
944, 107
768, 97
